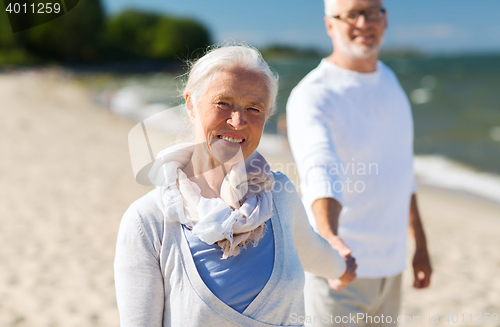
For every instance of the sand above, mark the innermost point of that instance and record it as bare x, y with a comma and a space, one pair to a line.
67, 179
463, 239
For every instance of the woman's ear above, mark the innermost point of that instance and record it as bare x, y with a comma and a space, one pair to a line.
190, 107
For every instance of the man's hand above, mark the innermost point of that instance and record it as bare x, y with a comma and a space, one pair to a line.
347, 277
422, 269
421, 263
326, 212
339, 245
350, 271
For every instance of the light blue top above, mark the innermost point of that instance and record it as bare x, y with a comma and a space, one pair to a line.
237, 280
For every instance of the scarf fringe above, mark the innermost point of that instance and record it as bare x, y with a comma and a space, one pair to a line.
230, 249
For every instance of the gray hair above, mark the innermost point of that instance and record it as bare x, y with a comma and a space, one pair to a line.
226, 57
330, 7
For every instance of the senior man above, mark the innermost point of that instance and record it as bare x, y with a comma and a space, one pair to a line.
351, 134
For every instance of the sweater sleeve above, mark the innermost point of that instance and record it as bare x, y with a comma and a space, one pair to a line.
315, 253
138, 277
312, 146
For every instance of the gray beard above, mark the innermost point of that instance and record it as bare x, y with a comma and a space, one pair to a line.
355, 51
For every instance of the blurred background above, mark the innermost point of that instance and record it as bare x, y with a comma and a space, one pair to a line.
446, 55
73, 88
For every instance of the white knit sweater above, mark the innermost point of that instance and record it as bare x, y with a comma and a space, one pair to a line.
351, 135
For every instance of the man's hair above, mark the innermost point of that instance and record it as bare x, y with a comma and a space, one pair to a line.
227, 57
330, 7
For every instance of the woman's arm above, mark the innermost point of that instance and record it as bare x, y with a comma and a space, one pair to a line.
327, 212
316, 254
138, 278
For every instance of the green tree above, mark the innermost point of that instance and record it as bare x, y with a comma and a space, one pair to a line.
129, 34
140, 35
6, 36
73, 37
178, 38
11, 50
85, 35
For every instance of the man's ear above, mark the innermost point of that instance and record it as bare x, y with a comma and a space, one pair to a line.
329, 26
190, 107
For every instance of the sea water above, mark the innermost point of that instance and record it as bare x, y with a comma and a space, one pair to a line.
455, 103
456, 110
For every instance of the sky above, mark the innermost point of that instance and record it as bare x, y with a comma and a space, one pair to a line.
430, 26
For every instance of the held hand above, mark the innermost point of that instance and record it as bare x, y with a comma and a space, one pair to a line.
422, 269
347, 277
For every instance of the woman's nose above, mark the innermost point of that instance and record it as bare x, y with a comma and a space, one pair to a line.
237, 120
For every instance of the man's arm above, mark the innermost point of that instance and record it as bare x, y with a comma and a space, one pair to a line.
315, 155
327, 212
422, 269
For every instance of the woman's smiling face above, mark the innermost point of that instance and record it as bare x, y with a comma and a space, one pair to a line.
232, 112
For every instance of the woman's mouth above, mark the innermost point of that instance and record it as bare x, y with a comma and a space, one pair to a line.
231, 139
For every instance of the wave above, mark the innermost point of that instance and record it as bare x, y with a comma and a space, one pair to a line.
445, 173
132, 102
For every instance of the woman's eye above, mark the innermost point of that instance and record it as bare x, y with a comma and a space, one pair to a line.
222, 103
254, 109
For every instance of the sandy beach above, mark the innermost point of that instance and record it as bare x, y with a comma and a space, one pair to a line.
67, 179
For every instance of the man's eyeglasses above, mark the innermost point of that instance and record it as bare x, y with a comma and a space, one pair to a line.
372, 15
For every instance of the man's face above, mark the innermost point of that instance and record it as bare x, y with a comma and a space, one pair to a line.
361, 39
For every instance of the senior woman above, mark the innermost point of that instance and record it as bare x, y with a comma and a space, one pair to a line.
222, 240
